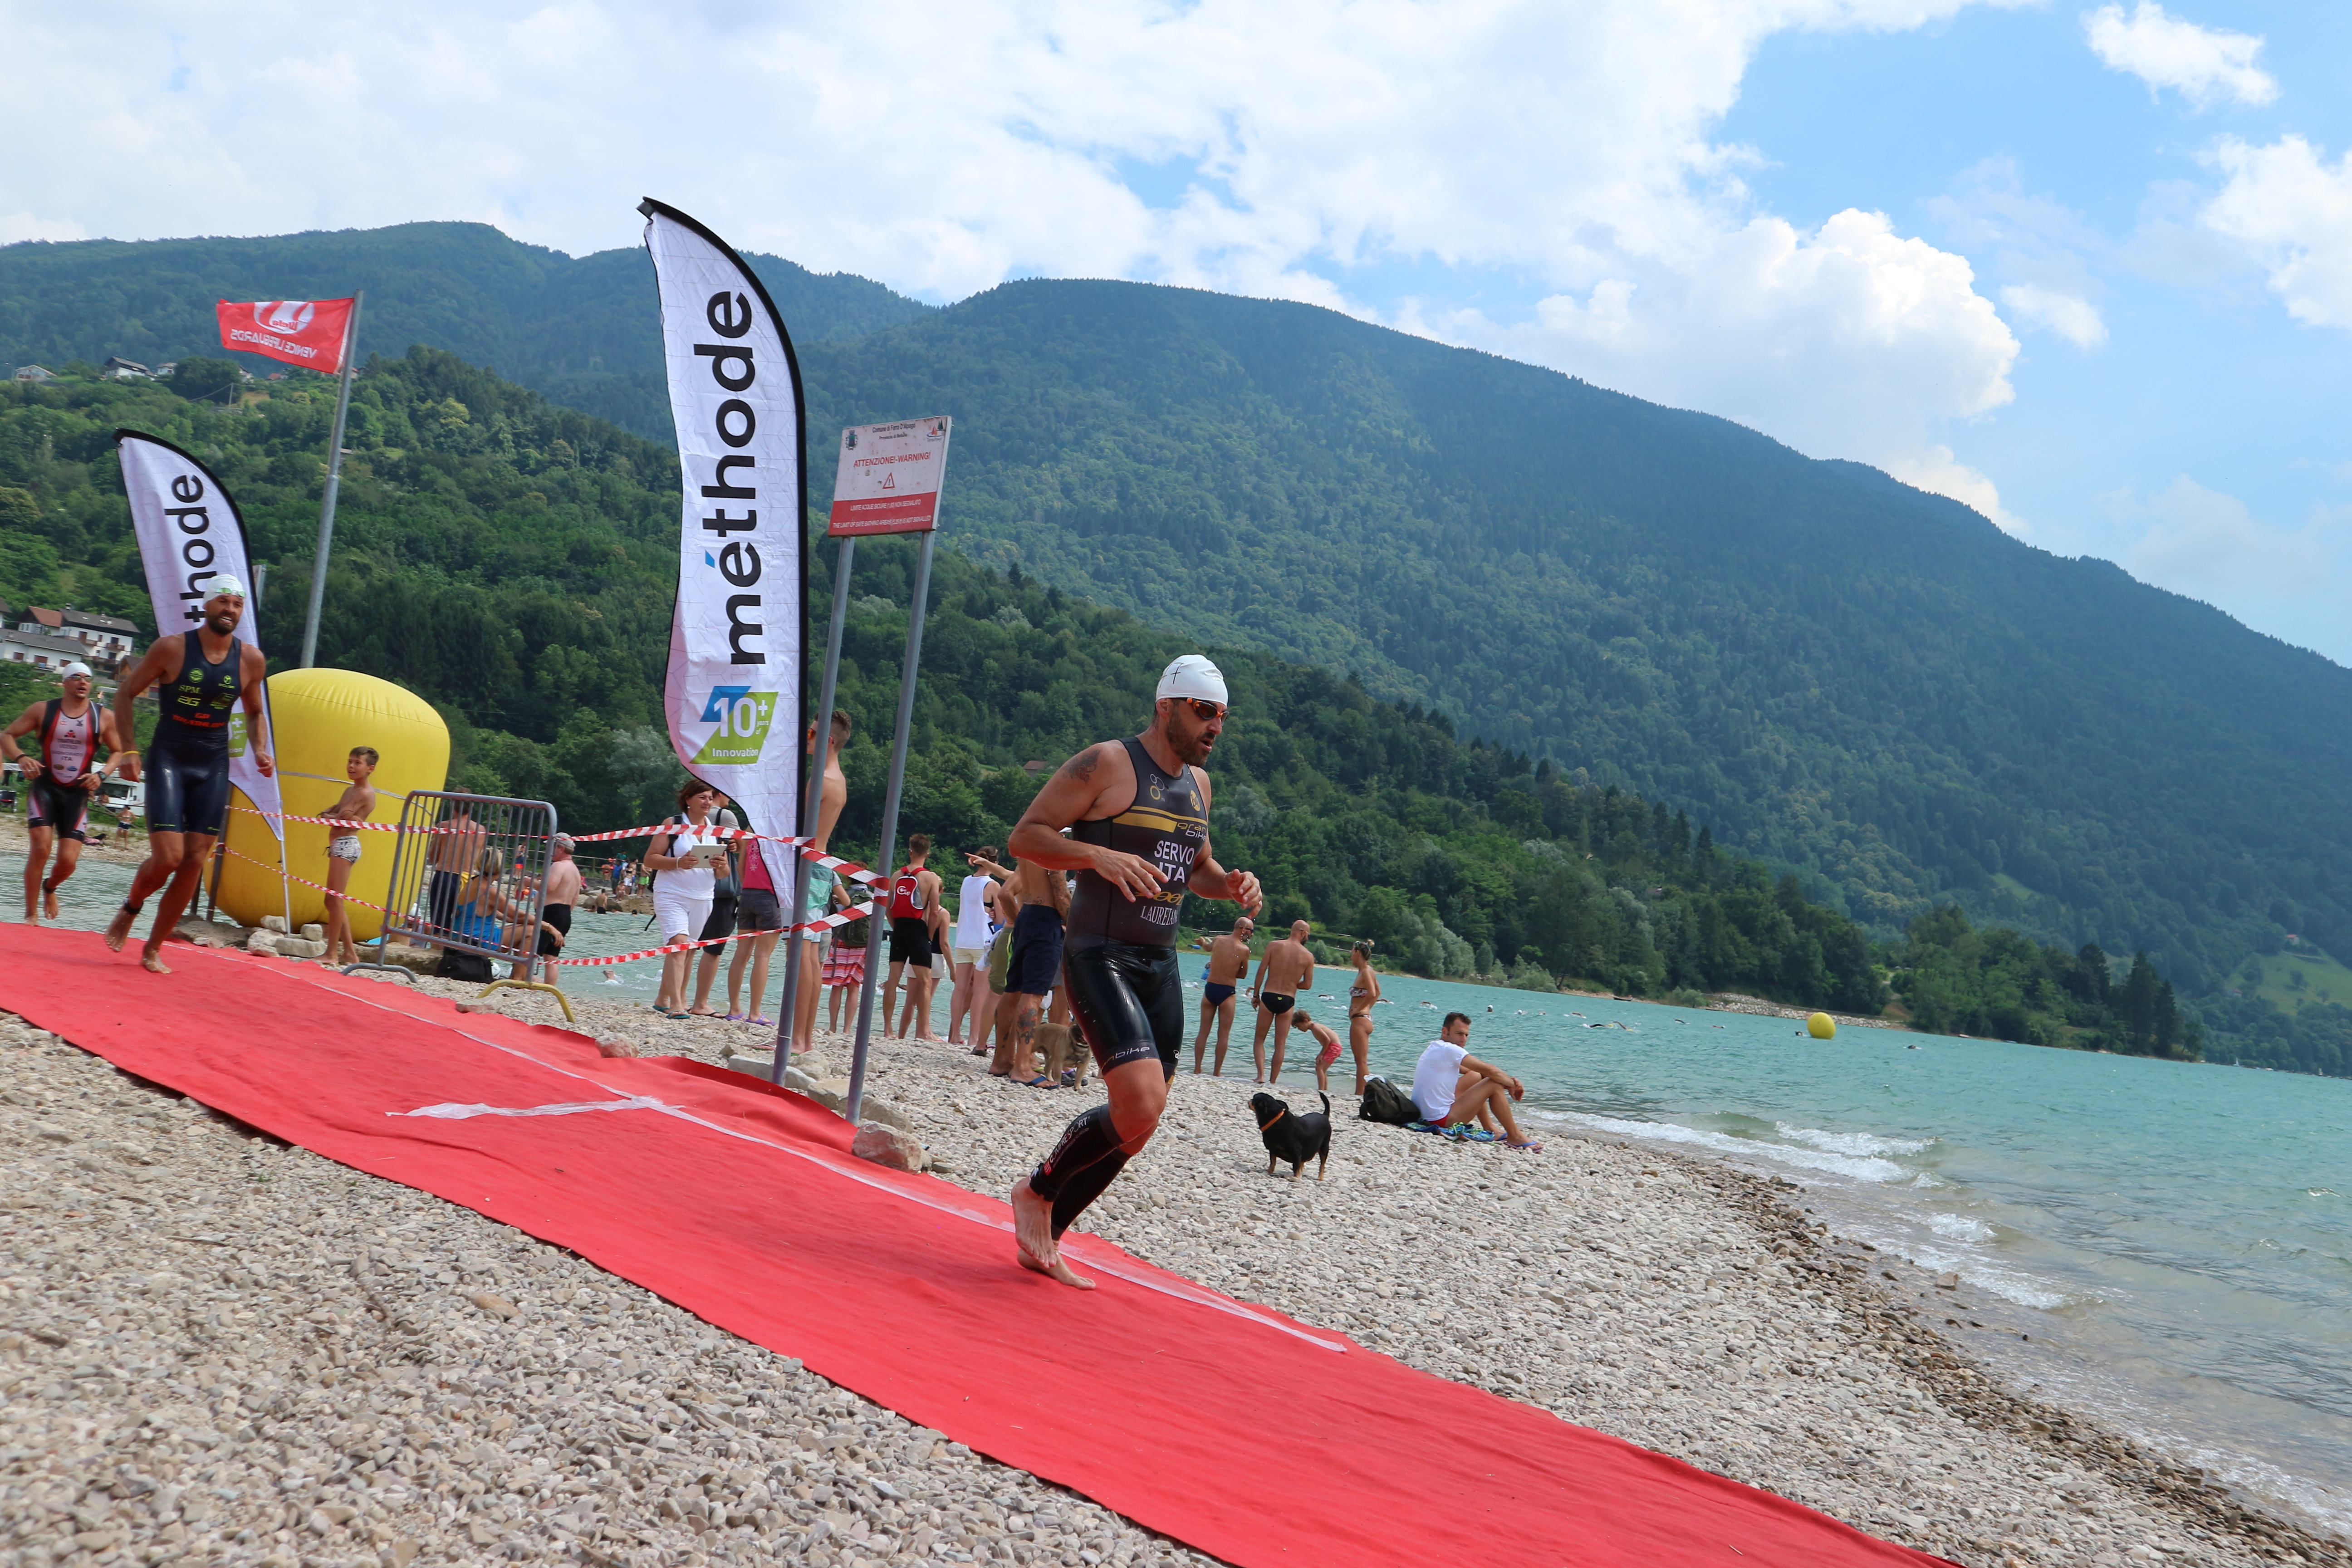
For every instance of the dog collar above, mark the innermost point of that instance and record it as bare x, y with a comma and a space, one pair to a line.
1277, 1116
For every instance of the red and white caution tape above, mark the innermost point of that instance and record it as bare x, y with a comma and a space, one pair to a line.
849, 869
826, 922
347, 898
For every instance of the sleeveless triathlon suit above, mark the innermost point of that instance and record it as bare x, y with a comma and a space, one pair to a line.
1119, 955
69, 749
187, 761
910, 933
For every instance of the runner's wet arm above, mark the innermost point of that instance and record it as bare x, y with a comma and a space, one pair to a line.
254, 670
1211, 881
1093, 784
162, 659
26, 723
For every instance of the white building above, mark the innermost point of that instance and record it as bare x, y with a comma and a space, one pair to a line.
35, 373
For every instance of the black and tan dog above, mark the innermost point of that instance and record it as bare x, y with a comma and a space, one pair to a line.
1297, 1136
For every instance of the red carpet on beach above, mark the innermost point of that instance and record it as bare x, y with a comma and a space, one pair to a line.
1159, 1398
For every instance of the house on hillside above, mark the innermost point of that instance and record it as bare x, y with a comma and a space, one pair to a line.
44, 650
35, 373
106, 641
126, 370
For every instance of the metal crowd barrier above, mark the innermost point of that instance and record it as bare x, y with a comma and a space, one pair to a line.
469, 875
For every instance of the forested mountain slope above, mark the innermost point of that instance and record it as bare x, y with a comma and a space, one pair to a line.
1834, 669
583, 332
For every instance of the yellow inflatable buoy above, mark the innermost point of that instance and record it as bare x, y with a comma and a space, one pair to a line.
1822, 1026
319, 715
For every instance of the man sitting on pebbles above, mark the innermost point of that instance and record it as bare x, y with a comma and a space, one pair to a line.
1450, 1085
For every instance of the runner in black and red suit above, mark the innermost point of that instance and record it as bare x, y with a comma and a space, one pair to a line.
1138, 812
199, 677
61, 773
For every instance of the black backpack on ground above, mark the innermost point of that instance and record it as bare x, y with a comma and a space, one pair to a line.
1385, 1103
471, 968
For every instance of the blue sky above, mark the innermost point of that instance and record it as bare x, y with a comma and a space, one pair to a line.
2086, 268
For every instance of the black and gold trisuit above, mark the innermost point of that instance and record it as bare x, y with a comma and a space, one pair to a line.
1119, 963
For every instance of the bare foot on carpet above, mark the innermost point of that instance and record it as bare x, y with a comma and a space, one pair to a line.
49, 903
118, 930
151, 959
1032, 1231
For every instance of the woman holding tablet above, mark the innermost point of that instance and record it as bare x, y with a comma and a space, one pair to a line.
683, 862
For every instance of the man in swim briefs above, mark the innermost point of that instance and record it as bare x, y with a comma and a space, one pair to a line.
61, 774
1228, 961
1285, 969
199, 677
559, 899
1138, 812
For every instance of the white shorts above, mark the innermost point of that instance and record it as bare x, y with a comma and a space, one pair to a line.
345, 846
971, 956
675, 914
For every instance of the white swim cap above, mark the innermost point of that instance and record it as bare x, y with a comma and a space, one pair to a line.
222, 585
71, 670
1193, 676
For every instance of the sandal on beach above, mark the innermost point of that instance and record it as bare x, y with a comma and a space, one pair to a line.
1006, 1073
980, 1051
735, 1018
1040, 1081
761, 1019
1529, 1147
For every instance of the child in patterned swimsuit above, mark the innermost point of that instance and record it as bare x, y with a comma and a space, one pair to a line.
357, 803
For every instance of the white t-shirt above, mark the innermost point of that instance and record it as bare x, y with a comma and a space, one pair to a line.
971, 912
1436, 1079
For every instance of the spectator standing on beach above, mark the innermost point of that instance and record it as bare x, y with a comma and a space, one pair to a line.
1450, 1086
832, 793
356, 804
725, 890
1138, 816
844, 968
61, 776
1229, 958
682, 858
1033, 965
456, 847
558, 898
1326, 1047
917, 927
970, 949
1285, 969
757, 908
201, 676
1362, 995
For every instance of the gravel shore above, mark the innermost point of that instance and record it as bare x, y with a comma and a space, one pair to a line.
219, 1349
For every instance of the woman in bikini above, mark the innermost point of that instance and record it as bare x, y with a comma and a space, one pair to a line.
1361, 997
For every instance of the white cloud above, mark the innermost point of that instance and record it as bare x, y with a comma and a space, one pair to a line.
1938, 470
2204, 65
2291, 209
2070, 316
2207, 546
1567, 147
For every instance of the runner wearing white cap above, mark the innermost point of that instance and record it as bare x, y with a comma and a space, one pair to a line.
199, 677
61, 776
1138, 812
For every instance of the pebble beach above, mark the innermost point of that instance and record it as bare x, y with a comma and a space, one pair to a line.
218, 1348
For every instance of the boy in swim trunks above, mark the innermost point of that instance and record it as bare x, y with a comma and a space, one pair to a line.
1327, 1049
1228, 961
356, 804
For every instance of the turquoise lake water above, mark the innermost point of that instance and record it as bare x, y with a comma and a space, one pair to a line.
2174, 1241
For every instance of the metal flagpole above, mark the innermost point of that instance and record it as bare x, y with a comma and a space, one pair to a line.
334, 482
883, 862
823, 720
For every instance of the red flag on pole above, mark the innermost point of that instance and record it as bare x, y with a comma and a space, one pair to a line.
308, 332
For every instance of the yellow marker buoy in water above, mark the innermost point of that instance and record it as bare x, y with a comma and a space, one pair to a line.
1822, 1026
319, 716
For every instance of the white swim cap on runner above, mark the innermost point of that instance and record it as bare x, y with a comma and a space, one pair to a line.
1193, 676
71, 670
223, 586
